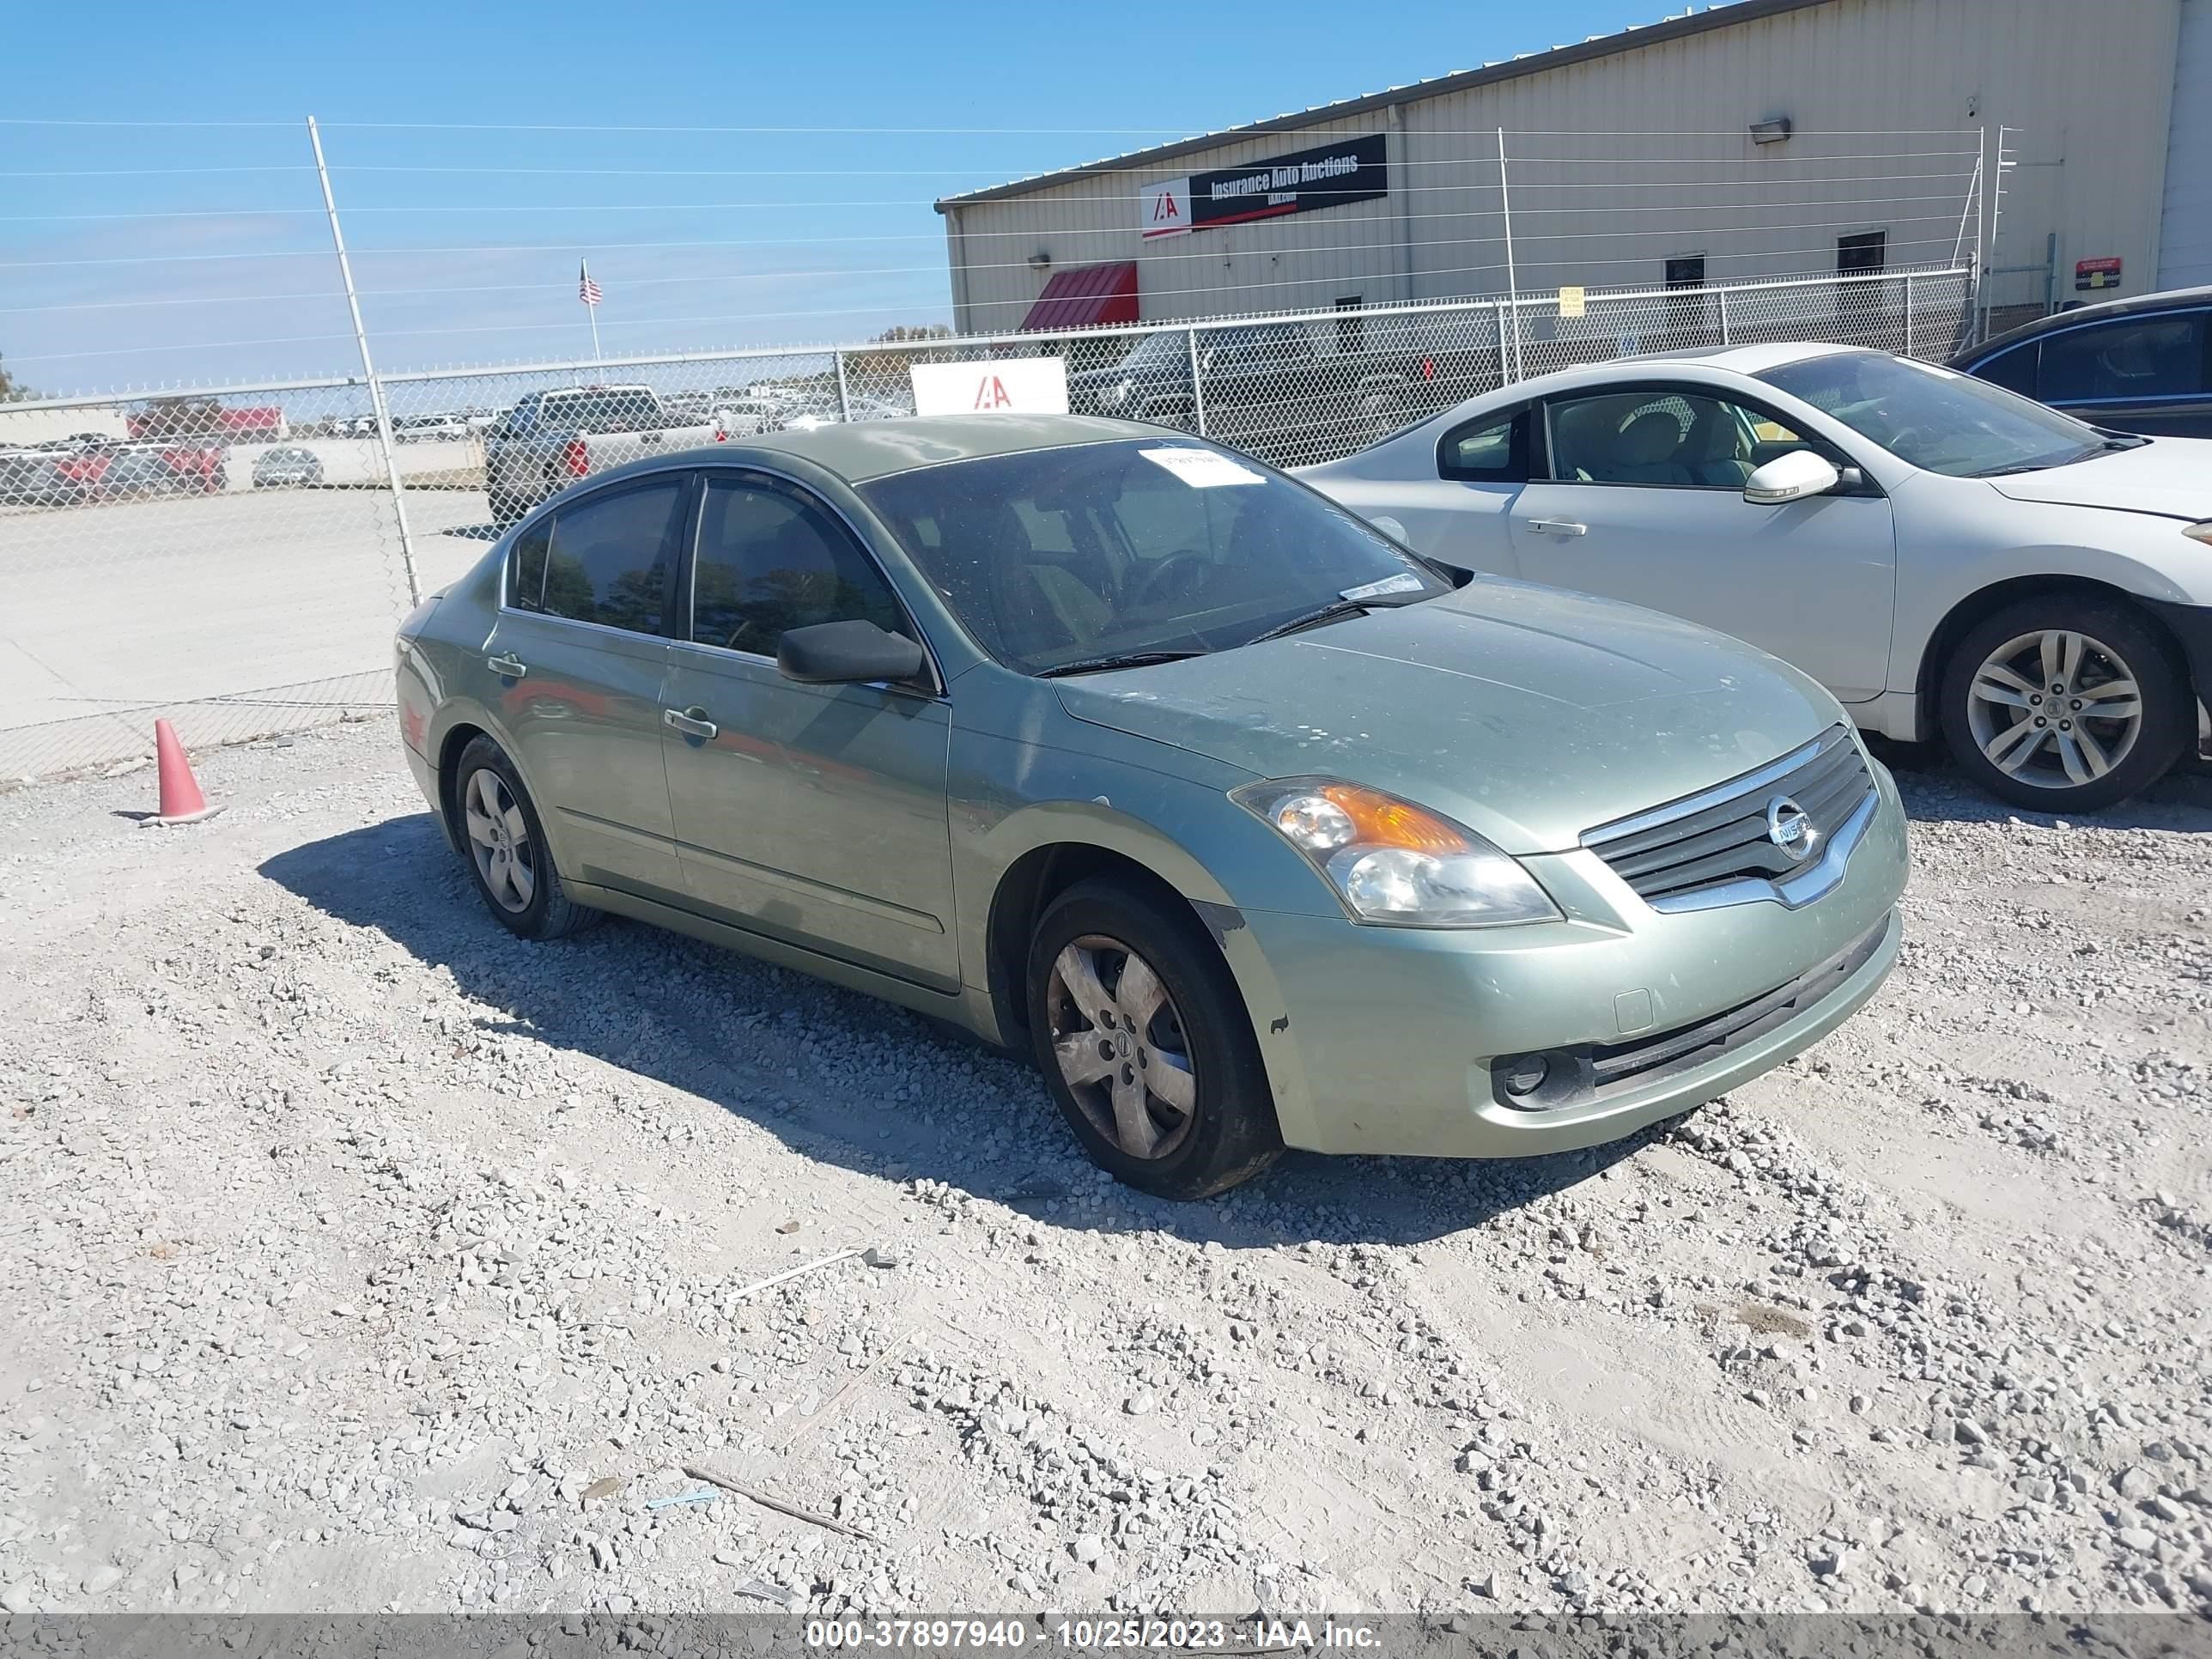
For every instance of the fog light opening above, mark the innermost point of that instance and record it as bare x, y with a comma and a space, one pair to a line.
1524, 1074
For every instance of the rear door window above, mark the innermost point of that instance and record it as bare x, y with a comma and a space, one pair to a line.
611, 557
2128, 359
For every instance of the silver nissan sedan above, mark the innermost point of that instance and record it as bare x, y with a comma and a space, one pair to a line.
1102, 742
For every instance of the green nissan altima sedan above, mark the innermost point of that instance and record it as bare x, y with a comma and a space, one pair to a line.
1257, 829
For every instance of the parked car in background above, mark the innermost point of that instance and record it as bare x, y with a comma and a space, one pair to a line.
285, 466
856, 408
1944, 556
422, 429
549, 440
140, 470
1109, 744
1270, 389
2142, 365
32, 476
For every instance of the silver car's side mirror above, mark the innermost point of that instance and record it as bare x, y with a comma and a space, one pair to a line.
1790, 477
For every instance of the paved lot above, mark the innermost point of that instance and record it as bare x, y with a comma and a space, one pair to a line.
234, 615
354, 1255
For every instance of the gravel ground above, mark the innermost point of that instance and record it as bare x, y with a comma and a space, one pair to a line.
355, 1256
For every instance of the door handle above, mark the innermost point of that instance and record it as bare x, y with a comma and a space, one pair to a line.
507, 667
1559, 528
692, 723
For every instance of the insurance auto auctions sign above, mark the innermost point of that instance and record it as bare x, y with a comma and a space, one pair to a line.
1328, 175
1002, 386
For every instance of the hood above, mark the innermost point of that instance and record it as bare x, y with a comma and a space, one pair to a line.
2172, 477
1527, 713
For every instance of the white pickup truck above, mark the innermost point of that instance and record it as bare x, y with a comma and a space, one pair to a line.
549, 440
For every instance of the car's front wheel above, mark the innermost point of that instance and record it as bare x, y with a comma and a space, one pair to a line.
500, 829
2066, 705
1146, 1045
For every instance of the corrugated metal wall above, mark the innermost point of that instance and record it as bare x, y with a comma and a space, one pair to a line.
1623, 162
2185, 247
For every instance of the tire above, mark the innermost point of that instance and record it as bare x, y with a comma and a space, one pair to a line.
505, 509
1993, 697
544, 910
1196, 1044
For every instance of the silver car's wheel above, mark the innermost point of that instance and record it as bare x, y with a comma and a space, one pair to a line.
1118, 1039
499, 840
2054, 709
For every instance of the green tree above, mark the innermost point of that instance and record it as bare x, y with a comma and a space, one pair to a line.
13, 391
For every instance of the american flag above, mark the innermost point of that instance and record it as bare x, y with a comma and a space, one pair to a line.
586, 290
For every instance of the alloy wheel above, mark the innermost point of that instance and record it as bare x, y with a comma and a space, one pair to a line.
499, 840
2054, 709
1120, 1046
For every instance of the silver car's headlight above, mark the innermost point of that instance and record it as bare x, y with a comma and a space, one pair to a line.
2199, 532
1391, 861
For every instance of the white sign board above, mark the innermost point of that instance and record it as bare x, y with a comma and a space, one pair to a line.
1003, 385
1163, 209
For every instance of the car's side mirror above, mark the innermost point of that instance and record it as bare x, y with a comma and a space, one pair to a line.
1790, 477
846, 653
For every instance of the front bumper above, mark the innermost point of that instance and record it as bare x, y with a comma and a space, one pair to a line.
1387, 1041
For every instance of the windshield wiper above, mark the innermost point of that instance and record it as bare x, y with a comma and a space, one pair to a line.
1123, 660
1336, 610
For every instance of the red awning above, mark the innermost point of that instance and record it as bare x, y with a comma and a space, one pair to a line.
1086, 297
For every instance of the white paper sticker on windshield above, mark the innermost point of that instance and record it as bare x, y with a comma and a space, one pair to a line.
1202, 469
1405, 582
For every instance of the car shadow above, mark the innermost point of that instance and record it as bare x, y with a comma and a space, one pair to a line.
1936, 791
748, 1036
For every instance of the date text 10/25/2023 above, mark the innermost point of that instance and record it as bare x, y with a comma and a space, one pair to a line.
1226, 1635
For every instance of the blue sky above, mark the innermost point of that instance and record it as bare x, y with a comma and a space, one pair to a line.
467, 228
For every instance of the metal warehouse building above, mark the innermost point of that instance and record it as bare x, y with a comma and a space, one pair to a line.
1763, 138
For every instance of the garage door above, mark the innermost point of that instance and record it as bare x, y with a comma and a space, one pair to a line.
2185, 229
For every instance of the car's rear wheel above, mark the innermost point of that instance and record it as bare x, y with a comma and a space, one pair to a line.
2066, 706
1146, 1044
499, 829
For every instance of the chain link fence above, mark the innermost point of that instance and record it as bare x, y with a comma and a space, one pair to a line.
235, 559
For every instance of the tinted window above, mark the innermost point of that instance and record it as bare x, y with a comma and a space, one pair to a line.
526, 582
2134, 357
1933, 418
770, 560
1054, 557
611, 556
2013, 370
1681, 438
1490, 450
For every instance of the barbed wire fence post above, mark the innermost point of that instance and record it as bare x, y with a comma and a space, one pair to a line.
378, 407
1512, 276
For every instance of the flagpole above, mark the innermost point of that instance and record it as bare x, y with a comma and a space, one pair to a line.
588, 292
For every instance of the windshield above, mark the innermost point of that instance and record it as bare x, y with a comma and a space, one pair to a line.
1058, 556
1934, 419
1158, 351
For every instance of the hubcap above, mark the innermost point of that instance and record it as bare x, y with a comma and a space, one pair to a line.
2054, 709
499, 840
1119, 1041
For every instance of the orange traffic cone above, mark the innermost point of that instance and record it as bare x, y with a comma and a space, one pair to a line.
181, 800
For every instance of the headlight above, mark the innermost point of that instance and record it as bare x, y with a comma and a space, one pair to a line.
1391, 861
2201, 532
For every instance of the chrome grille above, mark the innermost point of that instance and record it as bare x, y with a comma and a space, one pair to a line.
1721, 835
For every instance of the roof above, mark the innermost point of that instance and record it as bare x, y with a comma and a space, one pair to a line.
858, 451
2173, 299
1086, 296
1633, 38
